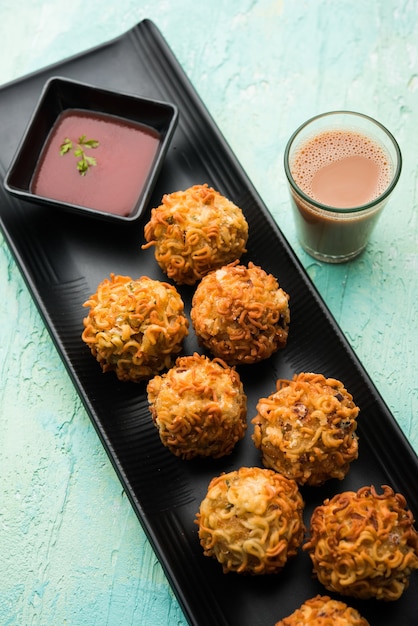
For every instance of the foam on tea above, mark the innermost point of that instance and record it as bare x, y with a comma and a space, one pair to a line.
341, 168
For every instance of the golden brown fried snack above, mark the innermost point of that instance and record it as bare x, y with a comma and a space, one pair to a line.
306, 429
322, 611
251, 521
194, 232
240, 314
199, 407
364, 544
134, 327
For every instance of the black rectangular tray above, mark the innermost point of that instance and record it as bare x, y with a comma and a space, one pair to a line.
63, 260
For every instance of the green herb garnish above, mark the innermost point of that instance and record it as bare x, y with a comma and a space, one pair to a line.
84, 161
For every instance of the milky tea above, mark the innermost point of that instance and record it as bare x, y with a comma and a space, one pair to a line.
340, 178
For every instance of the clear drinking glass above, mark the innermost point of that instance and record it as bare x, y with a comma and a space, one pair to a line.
341, 168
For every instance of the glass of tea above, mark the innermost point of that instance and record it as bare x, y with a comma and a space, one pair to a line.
341, 168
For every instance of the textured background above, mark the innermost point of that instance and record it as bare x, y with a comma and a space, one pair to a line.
71, 548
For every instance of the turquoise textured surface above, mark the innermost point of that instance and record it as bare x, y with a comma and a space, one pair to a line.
72, 550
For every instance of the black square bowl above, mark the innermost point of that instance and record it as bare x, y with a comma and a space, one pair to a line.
61, 94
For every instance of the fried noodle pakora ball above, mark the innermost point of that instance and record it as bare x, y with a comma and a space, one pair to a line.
199, 407
323, 611
251, 521
134, 327
194, 232
363, 544
240, 314
306, 429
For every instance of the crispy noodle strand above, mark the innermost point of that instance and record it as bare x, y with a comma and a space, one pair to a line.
134, 327
194, 232
323, 611
251, 521
306, 429
199, 407
240, 314
364, 544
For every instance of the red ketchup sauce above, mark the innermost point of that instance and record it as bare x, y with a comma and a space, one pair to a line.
124, 157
